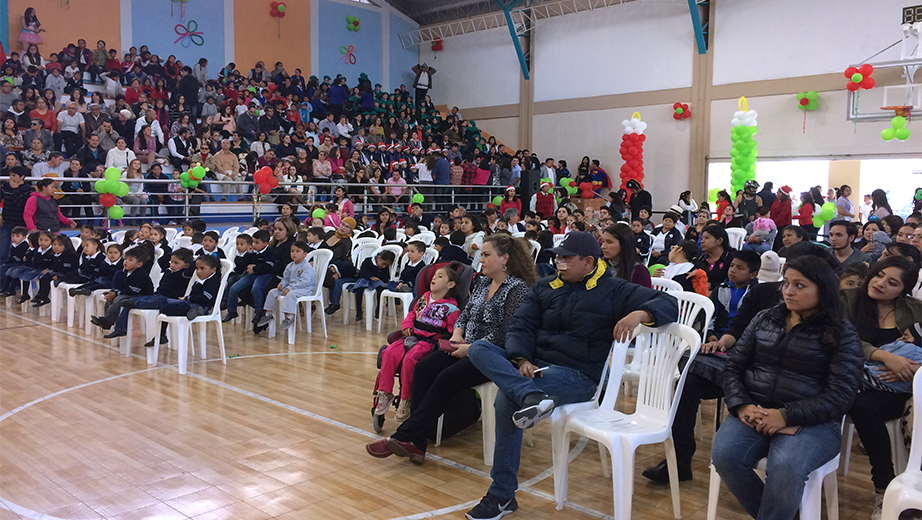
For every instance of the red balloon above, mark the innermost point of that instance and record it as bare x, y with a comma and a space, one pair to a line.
633, 163
849, 72
587, 194
273, 181
676, 116
107, 200
867, 83
274, 13
804, 101
262, 175
264, 188
274, 5
642, 138
866, 69
632, 150
355, 23
852, 86
271, 87
282, 14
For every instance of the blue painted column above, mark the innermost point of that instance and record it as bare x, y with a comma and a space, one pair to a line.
508, 6
5, 24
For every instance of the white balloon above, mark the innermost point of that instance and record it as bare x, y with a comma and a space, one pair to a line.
634, 121
628, 131
753, 114
625, 123
736, 122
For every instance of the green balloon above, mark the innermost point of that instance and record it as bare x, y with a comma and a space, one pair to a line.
898, 122
350, 18
116, 212
100, 186
418, 198
902, 133
679, 111
349, 27
857, 77
357, 28
818, 220
193, 184
887, 134
497, 200
812, 105
654, 267
185, 176
197, 173
281, 8
122, 189
112, 186
184, 184
827, 214
918, 195
113, 174
319, 213
812, 95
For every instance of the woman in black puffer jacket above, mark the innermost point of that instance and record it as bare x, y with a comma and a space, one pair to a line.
792, 377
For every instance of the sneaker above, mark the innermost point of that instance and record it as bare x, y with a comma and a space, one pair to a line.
259, 329
331, 308
41, 302
383, 401
195, 312
23, 299
163, 341
878, 503
116, 334
492, 507
100, 322
286, 323
403, 411
265, 320
379, 449
660, 473
257, 317
407, 450
229, 317
535, 407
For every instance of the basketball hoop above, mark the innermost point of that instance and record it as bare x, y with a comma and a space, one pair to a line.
900, 110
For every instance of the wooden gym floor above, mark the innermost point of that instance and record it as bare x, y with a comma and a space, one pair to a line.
278, 432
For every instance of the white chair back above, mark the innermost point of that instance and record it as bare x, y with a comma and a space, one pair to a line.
558, 239
426, 237
430, 256
397, 250
182, 241
691, 305
233, 230
357, 242
915, 450
658, 351
360, 253
171, 234
329, 228
251, 230
535, 249
737, 237
665, 284
401, 236
118, 236
155, 272
77, 242
229, 246
320, 259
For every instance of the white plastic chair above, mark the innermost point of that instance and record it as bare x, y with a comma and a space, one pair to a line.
558, 239
487, 393
320, 258
660, 350
369, 296
388, 296
359, 255
359, 242
181, 328
77, 242
233, 230
899, 455
737, 237
665, 284
148, 320
905, 491
430, 256
426, 237
118, 236
171, 234
810, 502
535, 249
182, 241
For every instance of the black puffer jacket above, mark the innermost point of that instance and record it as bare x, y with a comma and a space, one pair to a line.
571, 324
810, 381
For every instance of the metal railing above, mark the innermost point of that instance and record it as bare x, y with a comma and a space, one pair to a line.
437, 199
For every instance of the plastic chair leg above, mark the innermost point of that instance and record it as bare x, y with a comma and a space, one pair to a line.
847, 440
831, 487
560, 445
622, 478
71, 311
438, 431
220, 331
604, 456
673, 477
713, 494
181, 340
488, 414
202, 334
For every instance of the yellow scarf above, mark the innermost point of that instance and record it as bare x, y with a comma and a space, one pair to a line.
593, 280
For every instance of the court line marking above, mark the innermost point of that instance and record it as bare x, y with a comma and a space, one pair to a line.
525, 486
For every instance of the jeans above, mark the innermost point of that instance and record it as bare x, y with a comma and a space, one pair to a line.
870, 412
758, 248
154, 301
567, 385
337, 291
72, 142
233, 291
737, 449
437, 378
683, 427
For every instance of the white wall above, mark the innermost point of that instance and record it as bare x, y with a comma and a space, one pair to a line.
475, 70
627, 48
828, 133
570, 136
505, 129
758, 39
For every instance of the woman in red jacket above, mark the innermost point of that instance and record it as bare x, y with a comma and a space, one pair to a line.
780, 212
510, 201
805, 215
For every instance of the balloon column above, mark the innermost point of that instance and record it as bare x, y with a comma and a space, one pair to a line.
897, 129
825, 215
109, 188
744, 151
586, 190
265, 180
632, 140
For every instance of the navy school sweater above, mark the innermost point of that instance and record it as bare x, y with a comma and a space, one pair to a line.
64, 262
173, 284
205, 292
91, 267
242, 261
135, 283
19, 254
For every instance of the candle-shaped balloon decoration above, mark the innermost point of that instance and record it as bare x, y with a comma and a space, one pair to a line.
744, 151
632, 140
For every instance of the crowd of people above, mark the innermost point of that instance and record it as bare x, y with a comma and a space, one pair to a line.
811, 322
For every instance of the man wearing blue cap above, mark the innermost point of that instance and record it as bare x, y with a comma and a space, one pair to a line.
556, 347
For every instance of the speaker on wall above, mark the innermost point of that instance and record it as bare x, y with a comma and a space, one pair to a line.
530, 184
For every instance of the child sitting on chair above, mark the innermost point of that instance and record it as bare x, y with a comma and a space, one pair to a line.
299, 280
431, 318
374, 274
65, 260
106, 273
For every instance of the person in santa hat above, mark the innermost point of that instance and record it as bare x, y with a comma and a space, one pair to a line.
543, 203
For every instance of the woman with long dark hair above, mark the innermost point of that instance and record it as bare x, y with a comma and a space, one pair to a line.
880, 207
618, 248
30, 27
792, 377
882, 312
808, 207
443, 382
716, 254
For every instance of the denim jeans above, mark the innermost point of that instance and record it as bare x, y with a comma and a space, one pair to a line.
758, 248
233, 291
737, 448
154, 301
337, 291
565, 384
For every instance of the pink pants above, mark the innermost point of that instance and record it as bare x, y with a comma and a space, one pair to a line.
393, 356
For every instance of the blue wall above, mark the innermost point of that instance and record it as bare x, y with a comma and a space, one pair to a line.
402, 60
152, 25
366, 42
5, 25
